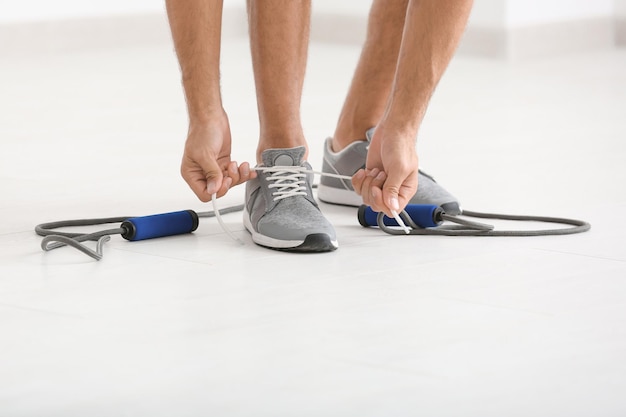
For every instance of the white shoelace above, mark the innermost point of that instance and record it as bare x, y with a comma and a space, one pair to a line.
299, 172
218, 216
290, 181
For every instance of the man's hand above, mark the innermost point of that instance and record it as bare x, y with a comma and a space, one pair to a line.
206, 164
390, 178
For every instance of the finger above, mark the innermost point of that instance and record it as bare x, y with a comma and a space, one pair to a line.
212, 173
357, 180
367, 186
226, 184
233, 172
377, 200
239, 174
397, 191
245, 173
376, 192
390, 200
203, 179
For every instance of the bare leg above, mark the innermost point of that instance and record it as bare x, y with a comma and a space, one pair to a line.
373, 78
432, 31
206, 165
279, 39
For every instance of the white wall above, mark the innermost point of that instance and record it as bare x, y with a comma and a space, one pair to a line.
501, 13
342, 7
530, 12
486, 13
620, 22
35, 10
620, 9
488, 17
526, 29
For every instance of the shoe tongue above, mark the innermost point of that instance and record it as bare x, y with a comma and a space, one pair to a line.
283, 157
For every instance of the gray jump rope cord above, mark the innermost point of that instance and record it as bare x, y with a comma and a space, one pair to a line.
465, 227
53, 239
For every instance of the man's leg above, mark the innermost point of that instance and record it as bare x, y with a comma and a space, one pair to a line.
206, 165
279, 39
432, 31
280, 211
371, 84
345, 153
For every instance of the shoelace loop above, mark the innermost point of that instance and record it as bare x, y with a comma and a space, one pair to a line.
288, 181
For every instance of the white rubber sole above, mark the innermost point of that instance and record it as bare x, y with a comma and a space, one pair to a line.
305, 245
335, 195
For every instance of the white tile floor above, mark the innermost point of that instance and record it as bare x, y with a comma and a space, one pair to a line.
385, 326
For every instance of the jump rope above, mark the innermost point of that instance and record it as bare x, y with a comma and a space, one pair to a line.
416, 219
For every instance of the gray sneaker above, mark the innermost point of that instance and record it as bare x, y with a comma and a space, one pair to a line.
280, 211
352, 158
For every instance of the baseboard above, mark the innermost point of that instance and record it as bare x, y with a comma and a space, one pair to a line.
539, 41
620, 31
50, 37
485, 42
514, 44
337, 28
561, 38
92, 33
509, 44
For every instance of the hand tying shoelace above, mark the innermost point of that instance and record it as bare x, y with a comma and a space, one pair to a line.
298, 172
289, 181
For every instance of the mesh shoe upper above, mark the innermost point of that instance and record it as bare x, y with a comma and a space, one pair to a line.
352, 158
280, 211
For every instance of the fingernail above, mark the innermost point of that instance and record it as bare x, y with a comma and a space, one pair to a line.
359, 174
394, 204
381, 176
245, 170
211, 187
374, 172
